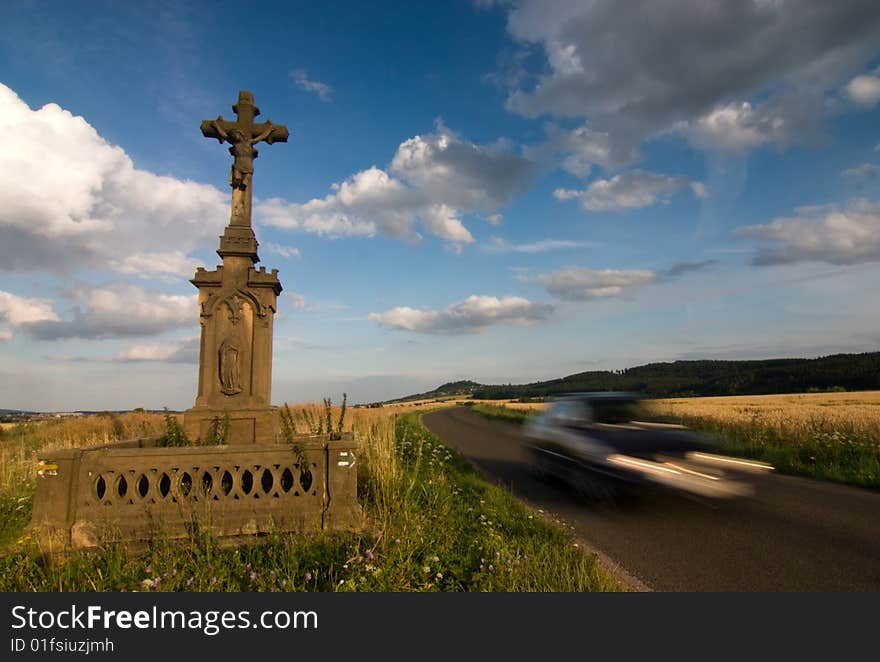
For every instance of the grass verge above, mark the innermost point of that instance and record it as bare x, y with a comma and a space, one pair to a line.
433, 525
501, 413
822, 454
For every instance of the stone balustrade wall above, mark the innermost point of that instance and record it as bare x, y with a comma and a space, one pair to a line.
133, 490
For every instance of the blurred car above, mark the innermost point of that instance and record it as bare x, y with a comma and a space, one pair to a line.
600, 442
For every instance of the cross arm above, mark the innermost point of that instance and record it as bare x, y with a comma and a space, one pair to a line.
271, 133
218, 128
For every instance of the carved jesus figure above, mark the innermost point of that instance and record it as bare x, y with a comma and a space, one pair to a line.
242, 150
229, 372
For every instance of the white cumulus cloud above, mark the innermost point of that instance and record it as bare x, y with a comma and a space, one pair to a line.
850, 235
115, 310
433, 179
473, 314
634, 189
581, 284
181, 350
864, 90
70, 200
23, 310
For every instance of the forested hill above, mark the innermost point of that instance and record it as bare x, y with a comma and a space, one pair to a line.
853, 372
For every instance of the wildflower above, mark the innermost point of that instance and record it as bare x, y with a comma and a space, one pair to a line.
491, 567
253, 576
146, 584
155, 582
369, 554
284, 581
189, 581
397, 542
272, 574
426, 569
213, 580
308, 578
149, 570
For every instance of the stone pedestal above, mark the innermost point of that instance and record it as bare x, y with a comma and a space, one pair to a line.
237, 308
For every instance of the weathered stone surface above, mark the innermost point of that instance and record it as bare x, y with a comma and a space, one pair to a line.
237, 303
131, 491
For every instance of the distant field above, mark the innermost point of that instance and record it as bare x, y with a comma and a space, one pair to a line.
853, 413
831, 436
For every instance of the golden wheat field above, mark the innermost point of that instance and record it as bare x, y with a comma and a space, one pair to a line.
857, 412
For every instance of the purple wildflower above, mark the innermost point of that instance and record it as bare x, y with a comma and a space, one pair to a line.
308, 577
369, 554
189, 581
253, 576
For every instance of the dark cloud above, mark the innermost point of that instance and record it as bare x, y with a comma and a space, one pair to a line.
641, 66
680, 268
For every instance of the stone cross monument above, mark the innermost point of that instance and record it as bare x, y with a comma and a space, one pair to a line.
237, 302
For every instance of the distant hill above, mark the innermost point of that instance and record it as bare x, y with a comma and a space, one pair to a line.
851, 372
450, 389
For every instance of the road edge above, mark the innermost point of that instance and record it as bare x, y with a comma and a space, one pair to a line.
605, 562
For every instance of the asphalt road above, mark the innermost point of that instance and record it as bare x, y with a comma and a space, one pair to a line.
793, 535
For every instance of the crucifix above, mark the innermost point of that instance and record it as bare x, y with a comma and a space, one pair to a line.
243, 134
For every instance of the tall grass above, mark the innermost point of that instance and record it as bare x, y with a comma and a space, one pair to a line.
20, 445
431, 524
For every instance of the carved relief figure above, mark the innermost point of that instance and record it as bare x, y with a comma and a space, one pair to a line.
242, 149
230, 380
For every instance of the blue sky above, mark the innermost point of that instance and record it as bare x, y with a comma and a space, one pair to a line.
498, 191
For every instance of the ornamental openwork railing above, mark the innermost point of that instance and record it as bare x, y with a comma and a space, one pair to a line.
135, 491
